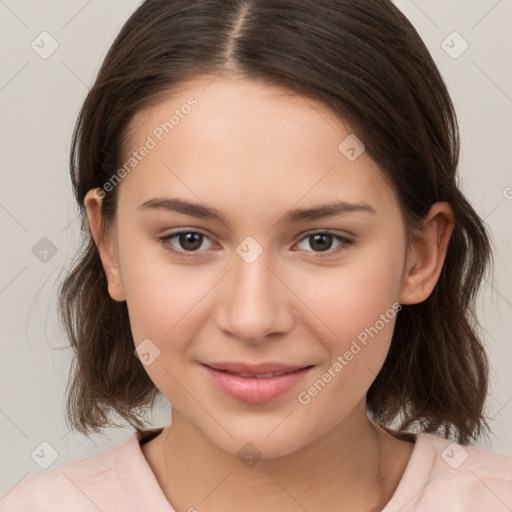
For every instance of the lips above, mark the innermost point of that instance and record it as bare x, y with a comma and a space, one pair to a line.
258, 371
255, 383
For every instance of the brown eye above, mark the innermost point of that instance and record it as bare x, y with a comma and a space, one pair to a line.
322, 242
190, 241
184, 243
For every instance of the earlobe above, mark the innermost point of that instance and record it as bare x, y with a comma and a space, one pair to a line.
106, 245
427, 254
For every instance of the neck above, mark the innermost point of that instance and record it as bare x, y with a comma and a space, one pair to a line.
356, 466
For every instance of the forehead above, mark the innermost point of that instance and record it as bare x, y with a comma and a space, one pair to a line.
245, 110
248, 140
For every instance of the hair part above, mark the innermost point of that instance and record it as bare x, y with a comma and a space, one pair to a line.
366, 62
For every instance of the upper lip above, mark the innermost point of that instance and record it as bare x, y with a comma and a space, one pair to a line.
255, 369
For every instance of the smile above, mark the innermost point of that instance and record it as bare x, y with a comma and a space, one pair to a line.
255, 383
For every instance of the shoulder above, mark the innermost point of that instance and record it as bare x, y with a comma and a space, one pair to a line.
454, 477
457, 460
78, 486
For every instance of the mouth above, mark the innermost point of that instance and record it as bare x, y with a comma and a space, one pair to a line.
256, 375
255, 383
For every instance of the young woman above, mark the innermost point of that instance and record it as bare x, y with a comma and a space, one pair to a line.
276, 243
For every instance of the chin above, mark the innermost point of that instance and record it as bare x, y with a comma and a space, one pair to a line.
261, 442
251, 452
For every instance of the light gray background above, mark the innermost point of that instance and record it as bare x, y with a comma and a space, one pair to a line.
39, 101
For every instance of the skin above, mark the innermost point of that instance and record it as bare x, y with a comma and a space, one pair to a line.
254, 151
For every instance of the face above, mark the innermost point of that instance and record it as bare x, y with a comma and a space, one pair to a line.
306, 301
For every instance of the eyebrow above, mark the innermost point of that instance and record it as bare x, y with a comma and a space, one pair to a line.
330, 209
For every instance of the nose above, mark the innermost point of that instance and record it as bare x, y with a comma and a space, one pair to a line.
255, 301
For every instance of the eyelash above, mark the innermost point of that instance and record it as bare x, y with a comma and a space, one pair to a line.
180, 254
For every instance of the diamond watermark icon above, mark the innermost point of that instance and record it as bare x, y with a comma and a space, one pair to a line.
44, 45
249, 250
44, 455
454, 45
147, 352
249, 455
454, 455
351, 147
44, 249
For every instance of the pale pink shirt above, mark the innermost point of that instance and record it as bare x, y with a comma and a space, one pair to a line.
440, 477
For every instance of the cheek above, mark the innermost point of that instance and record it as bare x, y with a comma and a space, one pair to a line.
163, 302
362, 316
161, 295
358, 304
158, 294
353, 297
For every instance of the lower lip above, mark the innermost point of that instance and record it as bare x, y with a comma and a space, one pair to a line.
253, 390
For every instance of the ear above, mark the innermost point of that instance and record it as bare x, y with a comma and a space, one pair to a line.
106, 244
426, 255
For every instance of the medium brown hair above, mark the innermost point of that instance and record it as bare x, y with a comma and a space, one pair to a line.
366, 62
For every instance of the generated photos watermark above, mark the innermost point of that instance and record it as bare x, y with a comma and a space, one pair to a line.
305, 397
157, 135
